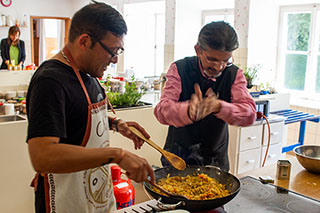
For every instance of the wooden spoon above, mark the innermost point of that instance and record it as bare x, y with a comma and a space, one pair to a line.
168, 193
173, 159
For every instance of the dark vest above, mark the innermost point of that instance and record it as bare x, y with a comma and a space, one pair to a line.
204, 142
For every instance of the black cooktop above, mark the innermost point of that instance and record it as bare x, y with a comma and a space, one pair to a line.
255, 196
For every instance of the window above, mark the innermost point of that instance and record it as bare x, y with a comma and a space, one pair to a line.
226, 15
299, 51
144, 42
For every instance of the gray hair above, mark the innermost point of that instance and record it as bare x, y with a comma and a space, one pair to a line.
219, 36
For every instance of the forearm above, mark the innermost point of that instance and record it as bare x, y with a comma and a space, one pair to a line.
173, 113
169, 110
48, 156
239, 114
242, 110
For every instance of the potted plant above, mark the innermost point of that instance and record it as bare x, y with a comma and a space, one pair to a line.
250, 73
266, 88
129, 98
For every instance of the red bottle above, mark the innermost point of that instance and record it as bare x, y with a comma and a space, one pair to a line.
123, 189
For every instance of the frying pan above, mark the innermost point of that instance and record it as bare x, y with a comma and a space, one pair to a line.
232, 184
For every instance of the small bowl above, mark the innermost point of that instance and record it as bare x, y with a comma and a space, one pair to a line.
309, 157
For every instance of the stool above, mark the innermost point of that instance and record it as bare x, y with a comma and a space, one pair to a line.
296, 116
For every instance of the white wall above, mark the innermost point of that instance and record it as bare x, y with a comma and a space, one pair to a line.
262, 38
188, 23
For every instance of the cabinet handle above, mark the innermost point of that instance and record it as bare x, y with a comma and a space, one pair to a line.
272, 156
251, 161
274, 133
252, 137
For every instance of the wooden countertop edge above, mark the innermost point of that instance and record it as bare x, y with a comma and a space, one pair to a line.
301, 181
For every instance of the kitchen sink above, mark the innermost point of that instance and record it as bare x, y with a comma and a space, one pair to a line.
10, 118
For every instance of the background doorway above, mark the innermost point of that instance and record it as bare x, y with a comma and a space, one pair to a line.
48, 36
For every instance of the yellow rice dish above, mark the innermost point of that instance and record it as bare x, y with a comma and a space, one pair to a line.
197, 187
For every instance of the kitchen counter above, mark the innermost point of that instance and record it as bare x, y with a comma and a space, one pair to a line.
14, 80
301, 181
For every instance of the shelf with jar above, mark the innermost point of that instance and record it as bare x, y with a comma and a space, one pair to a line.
8, 21
20, 26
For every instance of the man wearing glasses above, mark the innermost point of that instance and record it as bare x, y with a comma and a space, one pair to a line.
202, 95
68, 132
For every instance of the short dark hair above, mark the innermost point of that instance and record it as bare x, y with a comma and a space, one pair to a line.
219, 36
97, 19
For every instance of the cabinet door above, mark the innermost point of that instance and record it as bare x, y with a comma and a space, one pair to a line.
250, 137
273, 155
249, 160
276, 133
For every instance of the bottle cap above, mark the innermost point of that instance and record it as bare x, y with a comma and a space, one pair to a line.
115, 173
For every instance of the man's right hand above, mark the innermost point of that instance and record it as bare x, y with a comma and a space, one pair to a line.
194, 104
200, 107
137, 168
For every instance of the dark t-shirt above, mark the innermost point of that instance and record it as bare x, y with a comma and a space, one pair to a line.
56, 103
57, 106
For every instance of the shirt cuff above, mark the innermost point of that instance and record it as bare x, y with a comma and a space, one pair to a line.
224, 109
183, 113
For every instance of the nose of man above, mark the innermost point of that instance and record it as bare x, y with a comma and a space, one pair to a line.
114, 60
218, 67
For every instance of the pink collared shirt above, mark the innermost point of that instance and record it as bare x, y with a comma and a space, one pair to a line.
171, 111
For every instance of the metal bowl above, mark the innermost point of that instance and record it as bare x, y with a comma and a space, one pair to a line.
309, 157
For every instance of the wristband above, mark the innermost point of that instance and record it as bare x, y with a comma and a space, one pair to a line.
113, 124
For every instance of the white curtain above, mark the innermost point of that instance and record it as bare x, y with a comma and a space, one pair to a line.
42, 40
60, 33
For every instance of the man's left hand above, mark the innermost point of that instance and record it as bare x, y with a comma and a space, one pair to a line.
210, 104
123, 129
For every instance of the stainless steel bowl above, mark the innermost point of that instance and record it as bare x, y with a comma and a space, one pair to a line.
309, 157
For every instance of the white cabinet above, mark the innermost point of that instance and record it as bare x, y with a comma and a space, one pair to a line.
250, 137
276, 133
274, 153
16, 169
248, 145
249, 160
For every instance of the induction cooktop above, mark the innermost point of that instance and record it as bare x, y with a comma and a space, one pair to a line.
254, 196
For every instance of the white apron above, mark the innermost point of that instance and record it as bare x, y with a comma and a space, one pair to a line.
89, 191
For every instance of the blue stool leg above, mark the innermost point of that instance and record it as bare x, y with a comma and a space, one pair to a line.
302, 132
301, 138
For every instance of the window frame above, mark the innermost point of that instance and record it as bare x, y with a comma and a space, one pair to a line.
226, 12
312, 52
155, 49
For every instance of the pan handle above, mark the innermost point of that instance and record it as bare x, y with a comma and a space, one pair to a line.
166, 207
211, 166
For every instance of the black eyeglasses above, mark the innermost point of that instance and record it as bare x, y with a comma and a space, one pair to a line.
113, 54
227, 63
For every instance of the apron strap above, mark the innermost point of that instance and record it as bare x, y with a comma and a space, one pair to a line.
75, 69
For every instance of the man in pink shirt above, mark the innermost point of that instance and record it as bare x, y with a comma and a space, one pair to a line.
203, 94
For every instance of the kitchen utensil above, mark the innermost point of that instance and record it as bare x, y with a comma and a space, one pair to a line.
9, 109
309, 157
232, 184
166, 192
173, 159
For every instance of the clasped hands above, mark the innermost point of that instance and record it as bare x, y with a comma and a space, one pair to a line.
200, 107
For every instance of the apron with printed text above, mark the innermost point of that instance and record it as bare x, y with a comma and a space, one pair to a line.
89, 191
